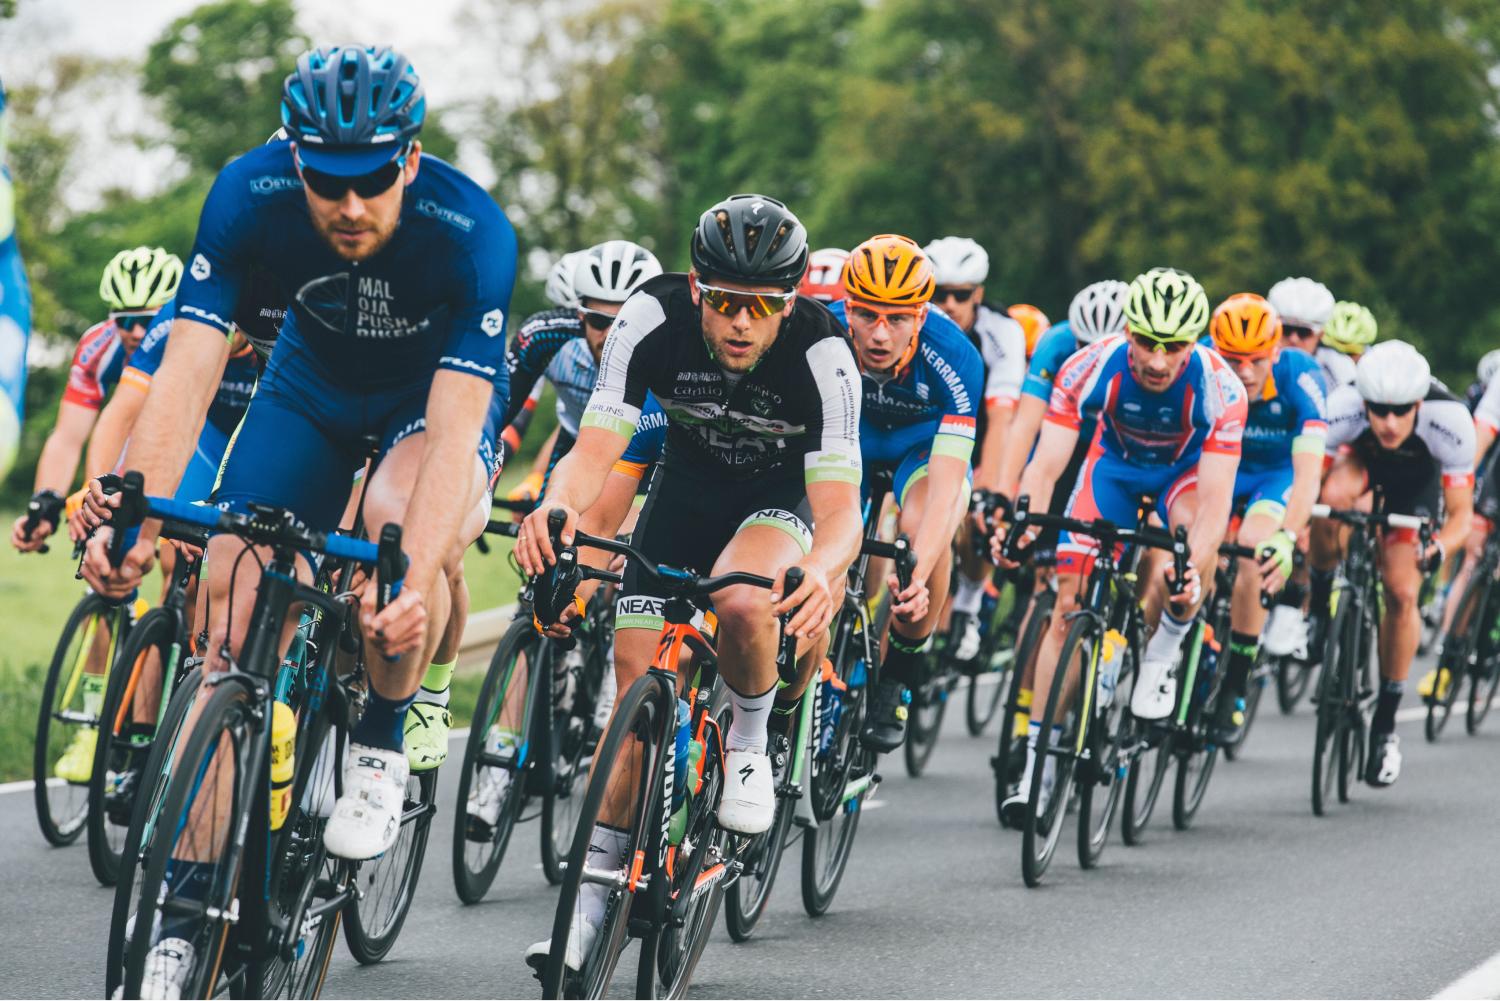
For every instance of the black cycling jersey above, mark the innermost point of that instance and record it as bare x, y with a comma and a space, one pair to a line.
801, 402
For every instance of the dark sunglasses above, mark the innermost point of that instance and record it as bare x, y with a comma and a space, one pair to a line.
333, 187
130, 321
1387, 409
1292, 330
944, 294
728, 302
1148, 343
596, 319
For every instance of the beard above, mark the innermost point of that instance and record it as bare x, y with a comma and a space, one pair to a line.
372, 236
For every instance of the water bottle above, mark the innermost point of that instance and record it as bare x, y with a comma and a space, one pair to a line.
283, 761
1209, 663
828, 717
857, 674
680, 756
1111, 655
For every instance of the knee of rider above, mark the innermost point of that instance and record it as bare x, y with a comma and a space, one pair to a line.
1401, 595
383, 506
742, 611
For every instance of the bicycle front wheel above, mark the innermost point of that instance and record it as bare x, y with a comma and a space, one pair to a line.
1333, 716
1010, 756
387, 885
1101, 789
1458, 649
68, 719
1144, 782
1063, 731
929, 701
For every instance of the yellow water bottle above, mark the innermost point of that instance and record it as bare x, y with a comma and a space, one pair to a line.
283, 761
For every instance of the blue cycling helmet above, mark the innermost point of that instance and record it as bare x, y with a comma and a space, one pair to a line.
352, 109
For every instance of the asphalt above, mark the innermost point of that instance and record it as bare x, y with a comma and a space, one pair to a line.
1392, 894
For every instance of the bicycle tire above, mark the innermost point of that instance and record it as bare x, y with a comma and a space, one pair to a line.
1293, 678
299, 970
982, 701
1331, 717
145, 810
1110, 735
929, 703
746, 899
1485, 674
1197, 751
472, 878
644, 712
1036, 858
155, 631
1458, 649
573, 736
1144, 781
63, 815
1255, 689
826, 849
231, 707
370, 932
1010, 756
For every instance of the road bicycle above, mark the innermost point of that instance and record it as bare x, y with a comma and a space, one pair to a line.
1470, 648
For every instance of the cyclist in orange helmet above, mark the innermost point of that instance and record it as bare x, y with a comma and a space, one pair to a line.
1033, 321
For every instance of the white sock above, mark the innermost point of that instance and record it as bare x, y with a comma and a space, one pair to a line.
1167, 639
606, 852
747, 730
967, 594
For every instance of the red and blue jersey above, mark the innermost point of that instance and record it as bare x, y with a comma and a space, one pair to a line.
97, 363
1203, 410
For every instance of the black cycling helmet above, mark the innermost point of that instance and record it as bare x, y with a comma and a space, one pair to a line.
354, 103
751, 239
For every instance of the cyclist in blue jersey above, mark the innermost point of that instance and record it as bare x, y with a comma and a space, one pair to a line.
1281, 468
1096, 312
922, 383
15, 316
402, 269
1169, 417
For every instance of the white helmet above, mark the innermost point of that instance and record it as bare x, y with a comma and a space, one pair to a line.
1393, 372
1489, 365
957, 260
611, 270
1098, 311
560, 281
1302, 302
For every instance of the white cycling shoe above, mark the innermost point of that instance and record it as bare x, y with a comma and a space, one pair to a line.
968, 644
168, 966
491, 783
367, 817
1156, 688
748, 804
581, 935
1285, 633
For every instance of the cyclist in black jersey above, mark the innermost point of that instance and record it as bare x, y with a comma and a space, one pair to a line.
760, 472
1410, 439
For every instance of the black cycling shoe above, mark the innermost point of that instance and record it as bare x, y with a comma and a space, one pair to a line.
885, 726
1317, 636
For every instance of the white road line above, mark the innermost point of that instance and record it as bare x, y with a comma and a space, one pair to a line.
1481, 982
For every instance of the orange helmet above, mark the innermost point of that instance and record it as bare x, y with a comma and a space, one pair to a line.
1246, 324
824, 280
1033, 321
889, 270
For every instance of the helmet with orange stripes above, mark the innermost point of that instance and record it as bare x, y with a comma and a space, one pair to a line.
1246, 324
1033, 322
889, 270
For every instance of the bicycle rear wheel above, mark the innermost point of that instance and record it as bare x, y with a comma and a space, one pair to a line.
574, 738
1058, 740
72, 698
191, 877
1100, 792
826, 848
746, 898
1010, 757
479, 848
986, 688
123, 745
1458, 650
1143, 784
1293, 678
628, 766
1197, 751
929, 701
1332, 715
387, 885
1485, 674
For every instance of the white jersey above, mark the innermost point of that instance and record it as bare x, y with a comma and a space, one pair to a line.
1002, 345
1338, 368
1487, 410
1444, 432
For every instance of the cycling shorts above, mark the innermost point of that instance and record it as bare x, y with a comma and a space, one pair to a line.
1263, 491
690, 515
202, 470
906, 473
1408, 488
1111, 488
303, 439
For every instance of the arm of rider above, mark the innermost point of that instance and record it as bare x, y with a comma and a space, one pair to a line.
603, 519
940, 519
1307, 478
577, 481
1484, 437
56, 467
1024, 426
162, 441
998, 417
1050, 460
1215, 491
457, 405
836, 539
1458, 518
107, 443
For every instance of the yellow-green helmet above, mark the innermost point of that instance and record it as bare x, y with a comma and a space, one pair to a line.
140, 278
1166, 305
1350, 329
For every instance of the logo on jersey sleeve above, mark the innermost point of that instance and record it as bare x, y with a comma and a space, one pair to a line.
1308, 383
493, 323
200, 269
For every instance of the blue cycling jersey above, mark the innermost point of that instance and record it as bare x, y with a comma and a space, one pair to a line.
1289, 417
931, 401
236, 385
1054, 348
435, 296
650, 435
